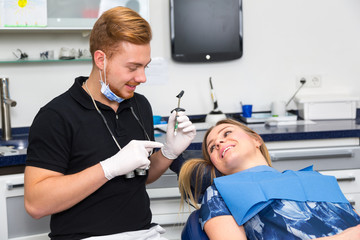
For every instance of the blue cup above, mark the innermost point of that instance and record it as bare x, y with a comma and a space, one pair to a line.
247, 110
157, 119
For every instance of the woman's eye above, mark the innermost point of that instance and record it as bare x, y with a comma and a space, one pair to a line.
132, 69
212, 148
227, 133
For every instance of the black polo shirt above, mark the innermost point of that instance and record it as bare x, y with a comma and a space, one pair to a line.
68, 135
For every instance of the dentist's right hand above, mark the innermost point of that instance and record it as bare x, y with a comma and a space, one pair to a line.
134, 155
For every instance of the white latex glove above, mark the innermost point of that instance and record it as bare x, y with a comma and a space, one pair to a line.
176, 144
134, 155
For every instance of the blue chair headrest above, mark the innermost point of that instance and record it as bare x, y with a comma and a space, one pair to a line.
206, 181
206, 177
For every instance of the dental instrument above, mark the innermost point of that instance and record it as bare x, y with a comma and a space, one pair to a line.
213, 97
178, 109
215, 115
302, 81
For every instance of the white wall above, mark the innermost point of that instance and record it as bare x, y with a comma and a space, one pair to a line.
283, 39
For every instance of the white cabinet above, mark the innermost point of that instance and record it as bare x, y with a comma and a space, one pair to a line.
15, 223
165, 207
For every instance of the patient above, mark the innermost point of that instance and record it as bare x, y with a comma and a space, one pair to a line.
254, 201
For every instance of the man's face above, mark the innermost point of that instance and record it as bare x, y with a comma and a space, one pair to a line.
126, 69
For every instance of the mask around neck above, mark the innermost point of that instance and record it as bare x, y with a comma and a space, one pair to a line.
105, 89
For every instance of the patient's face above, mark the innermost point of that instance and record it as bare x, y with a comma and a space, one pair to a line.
231, 149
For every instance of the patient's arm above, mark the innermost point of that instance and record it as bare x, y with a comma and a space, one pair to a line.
224, 228
352, 233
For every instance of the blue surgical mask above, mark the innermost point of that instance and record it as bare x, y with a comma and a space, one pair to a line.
105, 87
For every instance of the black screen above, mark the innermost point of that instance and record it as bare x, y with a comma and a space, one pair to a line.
206, 30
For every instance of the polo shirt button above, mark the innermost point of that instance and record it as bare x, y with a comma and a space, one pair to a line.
117, 116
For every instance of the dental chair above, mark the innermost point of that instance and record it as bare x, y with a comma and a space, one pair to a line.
192, 229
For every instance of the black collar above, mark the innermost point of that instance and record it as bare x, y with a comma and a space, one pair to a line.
83, 98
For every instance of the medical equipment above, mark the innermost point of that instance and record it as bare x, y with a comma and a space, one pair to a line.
302, 81
213, 97
178, 109
215, 115
327, 106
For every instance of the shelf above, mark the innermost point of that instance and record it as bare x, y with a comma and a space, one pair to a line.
56, 25
44, 29
77, 15
45, 61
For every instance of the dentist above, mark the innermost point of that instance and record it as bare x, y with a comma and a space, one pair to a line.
91, 149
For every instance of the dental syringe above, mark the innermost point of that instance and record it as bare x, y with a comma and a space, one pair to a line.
178, 109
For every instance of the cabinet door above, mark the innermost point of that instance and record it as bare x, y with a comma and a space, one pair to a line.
173, 232
15, 222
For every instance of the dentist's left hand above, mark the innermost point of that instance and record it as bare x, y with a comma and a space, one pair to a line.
176, 144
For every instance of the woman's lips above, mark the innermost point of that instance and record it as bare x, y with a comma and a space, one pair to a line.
225, 150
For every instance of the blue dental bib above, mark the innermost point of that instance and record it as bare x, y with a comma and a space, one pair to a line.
247, 192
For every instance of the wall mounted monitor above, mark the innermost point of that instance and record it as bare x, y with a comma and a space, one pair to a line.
206, 30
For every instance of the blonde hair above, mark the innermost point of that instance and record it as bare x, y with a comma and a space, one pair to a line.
193, 170
119, 24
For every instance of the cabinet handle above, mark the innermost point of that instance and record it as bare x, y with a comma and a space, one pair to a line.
179, 224
300, 155
11, 186
166, 198
346, 179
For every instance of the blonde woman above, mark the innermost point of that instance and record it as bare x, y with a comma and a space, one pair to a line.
254, 201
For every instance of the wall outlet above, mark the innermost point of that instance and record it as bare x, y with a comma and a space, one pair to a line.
312, 81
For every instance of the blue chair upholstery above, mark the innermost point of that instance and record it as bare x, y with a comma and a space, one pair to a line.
192, 229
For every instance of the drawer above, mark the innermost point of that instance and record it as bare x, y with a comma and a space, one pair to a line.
167, 180
349, 180
323, 159
168, 211
165, 206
